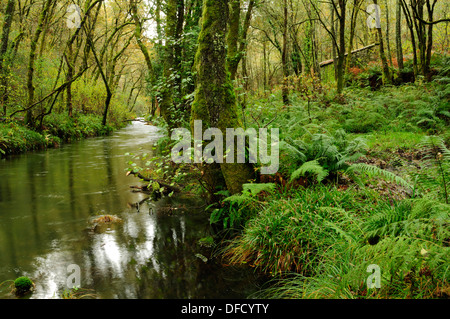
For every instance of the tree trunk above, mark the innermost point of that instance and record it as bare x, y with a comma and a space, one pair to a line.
386, 72
314, 47
341, 50
69, 76
31, 60
215, 101
9, 13
398, 35
237, 35
334, 48
265, 66
167, 99
285, 88
388, 44
429, 46
354, 17
409, 22
233, 37
104, 79
178, 51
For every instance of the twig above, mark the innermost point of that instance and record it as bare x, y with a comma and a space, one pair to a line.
163, 184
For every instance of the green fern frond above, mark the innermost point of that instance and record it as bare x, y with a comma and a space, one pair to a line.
374, 170
240, 199
293, 152
255, 189
420, 218
435, 149
249, 193
312, 167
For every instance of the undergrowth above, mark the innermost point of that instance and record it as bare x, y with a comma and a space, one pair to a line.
322, 225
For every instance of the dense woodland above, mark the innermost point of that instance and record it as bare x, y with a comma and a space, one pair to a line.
359, 90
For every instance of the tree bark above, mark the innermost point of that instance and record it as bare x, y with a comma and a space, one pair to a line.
409, 22
31, 60
9, 13
285, 88
398, 35
237, 35
215, 101
167, 99
334, 46
355, 10
388, 43
341, 50
69, 75
387, 79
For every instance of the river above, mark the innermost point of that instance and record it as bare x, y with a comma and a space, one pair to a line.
48, 198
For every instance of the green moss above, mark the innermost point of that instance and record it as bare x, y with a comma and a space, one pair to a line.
215, 100
23, 285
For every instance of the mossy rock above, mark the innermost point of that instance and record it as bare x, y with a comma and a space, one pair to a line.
23, 285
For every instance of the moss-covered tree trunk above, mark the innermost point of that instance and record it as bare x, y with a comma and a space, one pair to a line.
166, 103
215, 101
9, 13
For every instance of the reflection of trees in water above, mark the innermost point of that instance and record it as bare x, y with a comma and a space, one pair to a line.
150, 256
173, 250
180, 273
146, 254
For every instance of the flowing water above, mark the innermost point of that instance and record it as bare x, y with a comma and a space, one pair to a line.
47, 200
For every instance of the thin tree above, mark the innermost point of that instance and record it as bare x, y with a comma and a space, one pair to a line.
398, 34
284, 57
9, 13
387, 78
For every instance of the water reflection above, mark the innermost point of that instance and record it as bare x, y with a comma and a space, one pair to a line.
48, 198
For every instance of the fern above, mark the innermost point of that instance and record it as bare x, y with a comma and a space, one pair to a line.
255, 189
420, 218
249, 193
312, 167
436, 151
374, 170
402, 257
332, 153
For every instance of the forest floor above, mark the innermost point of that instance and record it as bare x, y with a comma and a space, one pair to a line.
381, 203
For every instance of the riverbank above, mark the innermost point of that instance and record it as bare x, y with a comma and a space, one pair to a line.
17, 138
156, 251
360, 205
